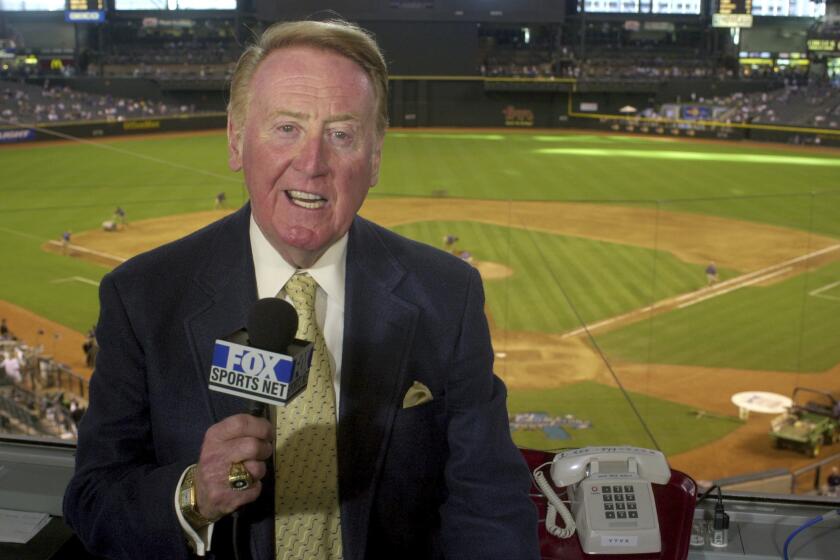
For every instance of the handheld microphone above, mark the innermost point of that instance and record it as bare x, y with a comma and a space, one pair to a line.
263, 363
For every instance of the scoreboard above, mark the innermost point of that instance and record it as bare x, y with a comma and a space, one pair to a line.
84, 11
732, 13
641, 7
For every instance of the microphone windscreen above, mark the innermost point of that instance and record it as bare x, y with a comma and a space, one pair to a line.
272, 324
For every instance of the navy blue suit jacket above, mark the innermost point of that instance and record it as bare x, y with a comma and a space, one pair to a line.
439, 480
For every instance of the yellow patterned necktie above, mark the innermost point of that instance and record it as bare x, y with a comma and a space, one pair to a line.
306, 519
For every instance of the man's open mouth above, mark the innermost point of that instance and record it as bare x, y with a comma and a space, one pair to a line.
306, 200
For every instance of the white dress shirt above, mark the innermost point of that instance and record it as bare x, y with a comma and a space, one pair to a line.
272, 273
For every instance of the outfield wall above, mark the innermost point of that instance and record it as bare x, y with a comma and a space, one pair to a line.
100, 129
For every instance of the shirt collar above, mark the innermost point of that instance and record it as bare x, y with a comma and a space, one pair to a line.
272, 272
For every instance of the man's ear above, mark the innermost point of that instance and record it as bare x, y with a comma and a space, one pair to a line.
376, 159
234, 138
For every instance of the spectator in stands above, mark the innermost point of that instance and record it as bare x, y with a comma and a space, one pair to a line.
833, 482
45, 370
29, 103
90, 349
76, 411
12, 366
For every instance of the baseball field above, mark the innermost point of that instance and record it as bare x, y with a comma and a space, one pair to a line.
593, 250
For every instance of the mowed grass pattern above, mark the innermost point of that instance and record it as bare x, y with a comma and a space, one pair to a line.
557, 281
515, 166
780, 327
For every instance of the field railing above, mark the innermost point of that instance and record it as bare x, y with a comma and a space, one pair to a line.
815, 468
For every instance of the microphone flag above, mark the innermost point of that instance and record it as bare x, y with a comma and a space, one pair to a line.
261, 375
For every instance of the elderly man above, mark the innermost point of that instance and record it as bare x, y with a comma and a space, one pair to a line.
399, 448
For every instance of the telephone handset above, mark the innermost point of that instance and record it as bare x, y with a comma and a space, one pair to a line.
613, 508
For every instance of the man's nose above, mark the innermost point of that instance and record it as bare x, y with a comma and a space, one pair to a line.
312, 158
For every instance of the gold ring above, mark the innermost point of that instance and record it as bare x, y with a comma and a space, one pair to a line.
239, 478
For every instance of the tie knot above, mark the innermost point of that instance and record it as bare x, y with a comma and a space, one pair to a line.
301, 290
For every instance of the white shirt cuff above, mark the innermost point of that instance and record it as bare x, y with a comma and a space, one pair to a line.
199, 540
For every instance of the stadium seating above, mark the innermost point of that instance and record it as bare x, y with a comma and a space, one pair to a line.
27, 103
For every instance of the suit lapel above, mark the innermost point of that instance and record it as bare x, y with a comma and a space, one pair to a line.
378, 329
225, 291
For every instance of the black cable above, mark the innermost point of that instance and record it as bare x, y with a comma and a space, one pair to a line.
260, 410
236, 540
711, 489
720, 519
592, 340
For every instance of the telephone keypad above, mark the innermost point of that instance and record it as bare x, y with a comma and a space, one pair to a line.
619, 502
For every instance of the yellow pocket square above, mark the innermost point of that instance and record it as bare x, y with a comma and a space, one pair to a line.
417, 394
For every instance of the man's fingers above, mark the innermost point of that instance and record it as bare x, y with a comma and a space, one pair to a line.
217, 500
241, 425
248, 448
240, 438
256, 468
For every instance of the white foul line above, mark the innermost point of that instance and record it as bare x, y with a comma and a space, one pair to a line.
749, 282
76, 279
78, 248
716, 290
21, 234
86, 250
825, 288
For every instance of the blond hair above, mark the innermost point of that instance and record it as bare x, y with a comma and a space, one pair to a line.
338, 36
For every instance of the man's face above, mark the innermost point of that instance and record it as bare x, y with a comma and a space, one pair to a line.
308, 148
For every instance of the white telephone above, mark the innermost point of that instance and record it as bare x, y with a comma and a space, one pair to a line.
611, 495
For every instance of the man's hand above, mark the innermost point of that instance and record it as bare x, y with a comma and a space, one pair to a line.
243, 438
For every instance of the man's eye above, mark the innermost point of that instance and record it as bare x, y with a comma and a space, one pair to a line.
287, 128
341, 136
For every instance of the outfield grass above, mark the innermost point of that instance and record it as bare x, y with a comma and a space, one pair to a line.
675, 427
78, 185
47, 189
614, 168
